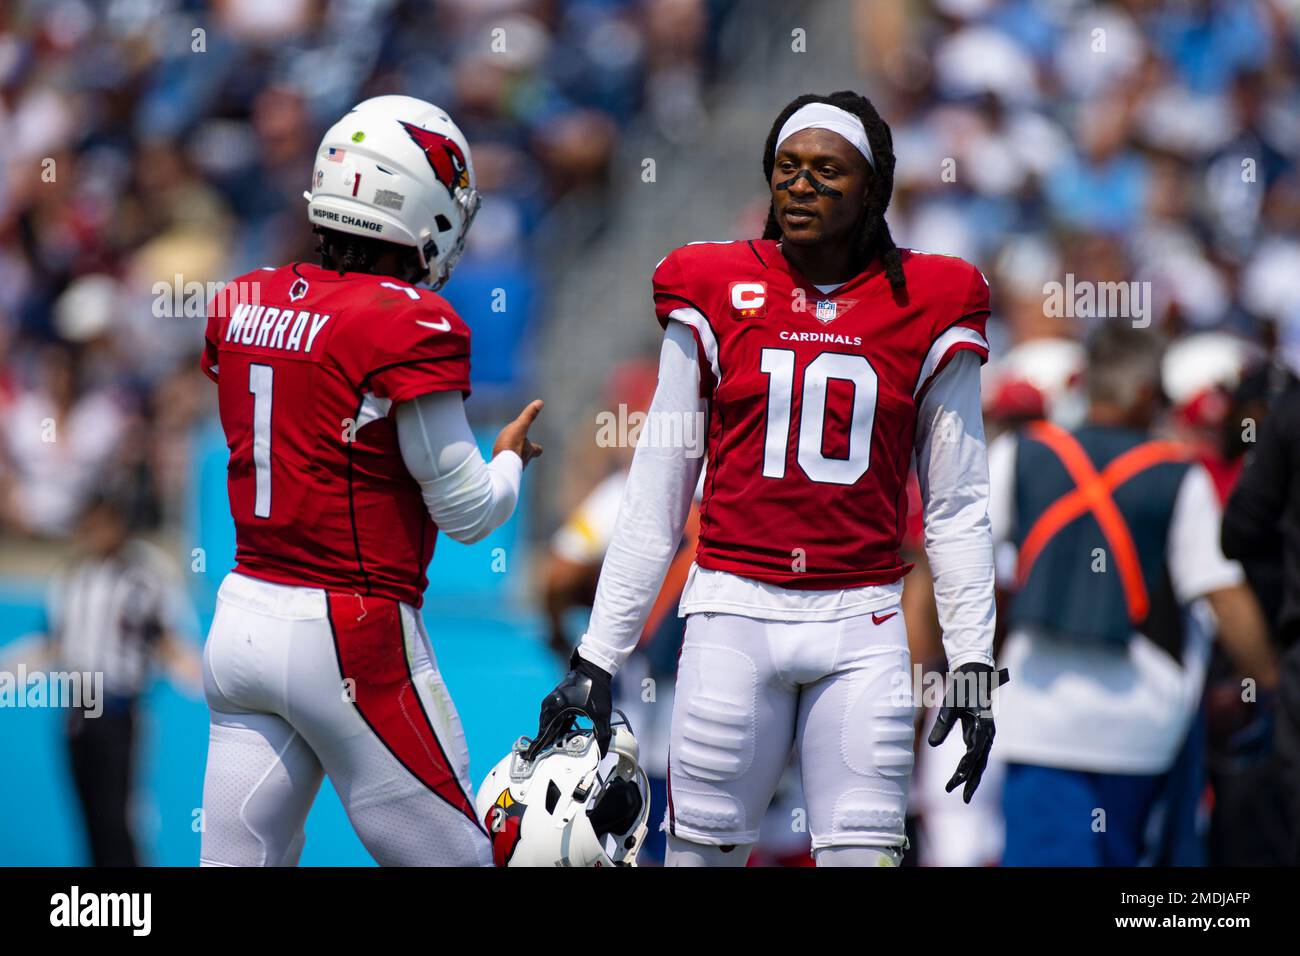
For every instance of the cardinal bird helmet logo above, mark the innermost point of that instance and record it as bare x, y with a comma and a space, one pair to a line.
444, 155
503, 820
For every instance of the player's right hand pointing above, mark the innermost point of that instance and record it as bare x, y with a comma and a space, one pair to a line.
514, 437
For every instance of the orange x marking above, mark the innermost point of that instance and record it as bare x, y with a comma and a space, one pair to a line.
1093, 493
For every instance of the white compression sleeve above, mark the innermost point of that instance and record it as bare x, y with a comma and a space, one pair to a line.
467, 498
653, 511
952, 468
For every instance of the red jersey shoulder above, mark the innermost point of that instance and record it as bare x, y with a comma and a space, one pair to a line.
400, 341
381, 334
398, 320
242, 290
699, 274
953, 297
948, 288
248, 288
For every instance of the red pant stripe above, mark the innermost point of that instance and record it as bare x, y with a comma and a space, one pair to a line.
371, 648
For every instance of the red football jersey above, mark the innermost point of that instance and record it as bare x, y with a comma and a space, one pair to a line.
308, 364
812, 404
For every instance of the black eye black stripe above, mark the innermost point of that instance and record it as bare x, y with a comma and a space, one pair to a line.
822, 188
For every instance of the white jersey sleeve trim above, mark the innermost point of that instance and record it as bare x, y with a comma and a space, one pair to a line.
956, 338
696, 320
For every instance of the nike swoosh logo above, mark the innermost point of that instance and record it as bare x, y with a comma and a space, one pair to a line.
882, 618
442, 326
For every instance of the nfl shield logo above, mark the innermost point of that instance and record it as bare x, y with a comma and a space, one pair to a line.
826, 310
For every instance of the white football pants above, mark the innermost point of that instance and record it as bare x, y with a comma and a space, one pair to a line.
302, 682
748, 690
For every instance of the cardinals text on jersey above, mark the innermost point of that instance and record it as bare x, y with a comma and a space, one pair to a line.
813, 402
307, 372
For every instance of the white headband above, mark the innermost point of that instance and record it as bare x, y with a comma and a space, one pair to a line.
825, 116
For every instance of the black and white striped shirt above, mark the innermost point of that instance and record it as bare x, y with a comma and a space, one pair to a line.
106, 615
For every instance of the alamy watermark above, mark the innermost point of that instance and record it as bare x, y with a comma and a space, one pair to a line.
1083, 299
622, 428
74, 690
933, 689
180, 299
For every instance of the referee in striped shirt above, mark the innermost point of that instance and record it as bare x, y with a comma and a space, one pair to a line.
116, 609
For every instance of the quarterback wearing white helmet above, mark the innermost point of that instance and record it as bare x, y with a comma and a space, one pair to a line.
398, 169
566, 805
318, 662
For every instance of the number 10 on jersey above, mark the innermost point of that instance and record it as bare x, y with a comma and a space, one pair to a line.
779, 366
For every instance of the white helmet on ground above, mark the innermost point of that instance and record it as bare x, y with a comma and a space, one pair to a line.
569, 806
398, 169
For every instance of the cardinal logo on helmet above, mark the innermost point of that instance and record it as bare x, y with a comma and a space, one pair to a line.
444, 155
503, 820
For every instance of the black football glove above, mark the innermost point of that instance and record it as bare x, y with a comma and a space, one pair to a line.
585, 690
972, 703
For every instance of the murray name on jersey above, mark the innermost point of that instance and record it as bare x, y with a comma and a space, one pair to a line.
308, 375
266, 326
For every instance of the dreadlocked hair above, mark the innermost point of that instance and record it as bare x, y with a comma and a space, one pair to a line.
345, 252
873, 240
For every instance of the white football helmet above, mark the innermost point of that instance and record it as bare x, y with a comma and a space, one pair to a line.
568, 807
1195, 364
398, 169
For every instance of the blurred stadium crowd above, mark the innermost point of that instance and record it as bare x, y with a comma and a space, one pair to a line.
1119, 142
153, 146
1131, 141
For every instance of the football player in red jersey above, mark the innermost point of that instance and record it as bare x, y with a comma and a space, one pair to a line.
342, 392
824, 359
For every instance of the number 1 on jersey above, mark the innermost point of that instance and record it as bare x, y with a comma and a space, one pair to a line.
261, 378
778, 365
